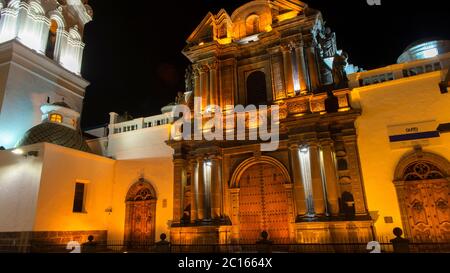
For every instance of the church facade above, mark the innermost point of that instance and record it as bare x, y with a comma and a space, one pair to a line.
359, 152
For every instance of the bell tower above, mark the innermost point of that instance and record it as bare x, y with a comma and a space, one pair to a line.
41, 51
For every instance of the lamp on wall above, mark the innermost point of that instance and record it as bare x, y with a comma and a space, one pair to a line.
109, 210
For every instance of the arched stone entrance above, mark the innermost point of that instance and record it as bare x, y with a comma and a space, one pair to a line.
140, 215
423, 188
265, 200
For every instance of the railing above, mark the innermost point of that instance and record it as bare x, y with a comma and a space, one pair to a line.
121, 247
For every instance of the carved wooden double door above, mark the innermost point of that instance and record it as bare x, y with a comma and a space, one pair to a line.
140, 226
425, 205
263, 204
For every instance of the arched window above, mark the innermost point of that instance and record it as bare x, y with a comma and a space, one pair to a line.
56, 118
422, 170
252, 24
256, 89
51, 43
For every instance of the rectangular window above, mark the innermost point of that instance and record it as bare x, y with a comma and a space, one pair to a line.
79, 198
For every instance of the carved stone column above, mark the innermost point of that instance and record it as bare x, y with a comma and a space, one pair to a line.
216, 188
178, 169
213, 94
317, 184
299, 190
204, 85
313, 68
301, 66
194, 189
331, 177
201, 194
288, 75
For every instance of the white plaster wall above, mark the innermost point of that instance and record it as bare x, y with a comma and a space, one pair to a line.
62, 168
20, 179
143, 143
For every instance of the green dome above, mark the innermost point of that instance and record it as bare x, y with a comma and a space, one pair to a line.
55, 134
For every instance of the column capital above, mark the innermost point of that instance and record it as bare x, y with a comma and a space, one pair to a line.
286, 48
213, 65
327, 142
179, 162
294, 146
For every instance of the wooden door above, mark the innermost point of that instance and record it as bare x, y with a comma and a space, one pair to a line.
263, 205
426, 204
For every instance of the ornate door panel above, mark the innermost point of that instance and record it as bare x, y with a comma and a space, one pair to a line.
426, 205
263, 204
142, 227
140, 216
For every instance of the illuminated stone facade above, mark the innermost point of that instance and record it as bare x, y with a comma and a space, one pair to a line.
358, 155
230, 191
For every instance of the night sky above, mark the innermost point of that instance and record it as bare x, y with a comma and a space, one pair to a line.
133, 49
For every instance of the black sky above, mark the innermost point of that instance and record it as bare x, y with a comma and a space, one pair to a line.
133, 49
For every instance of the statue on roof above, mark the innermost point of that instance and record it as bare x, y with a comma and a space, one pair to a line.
339, 74
327, 43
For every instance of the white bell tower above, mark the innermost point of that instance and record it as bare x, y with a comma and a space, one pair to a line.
41, 50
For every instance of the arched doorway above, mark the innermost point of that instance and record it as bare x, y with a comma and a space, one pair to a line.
264, 203
140, 215
423, 189
256, 89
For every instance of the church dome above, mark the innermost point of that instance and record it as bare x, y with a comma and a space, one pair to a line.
424, 49
56, 134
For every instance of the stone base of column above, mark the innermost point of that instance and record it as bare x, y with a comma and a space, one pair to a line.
199, 238
334, 232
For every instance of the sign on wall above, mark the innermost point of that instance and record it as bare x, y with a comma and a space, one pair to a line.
413, 134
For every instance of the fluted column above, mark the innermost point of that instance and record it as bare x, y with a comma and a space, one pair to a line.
193, 165
178, 192
331, 177
299, 190
301, 67
312, 68
201, 189
213, 94
317, 184
216, 188
288, 76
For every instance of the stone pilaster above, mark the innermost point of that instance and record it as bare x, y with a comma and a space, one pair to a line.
216, 188
301, 66
288, 75
355, 173
178, 192
299, 190
331, 177
213, 94
313, 68
201, 194
194, 189
317, 184
204, 85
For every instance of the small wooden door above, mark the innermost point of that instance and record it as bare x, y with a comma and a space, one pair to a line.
140, 216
